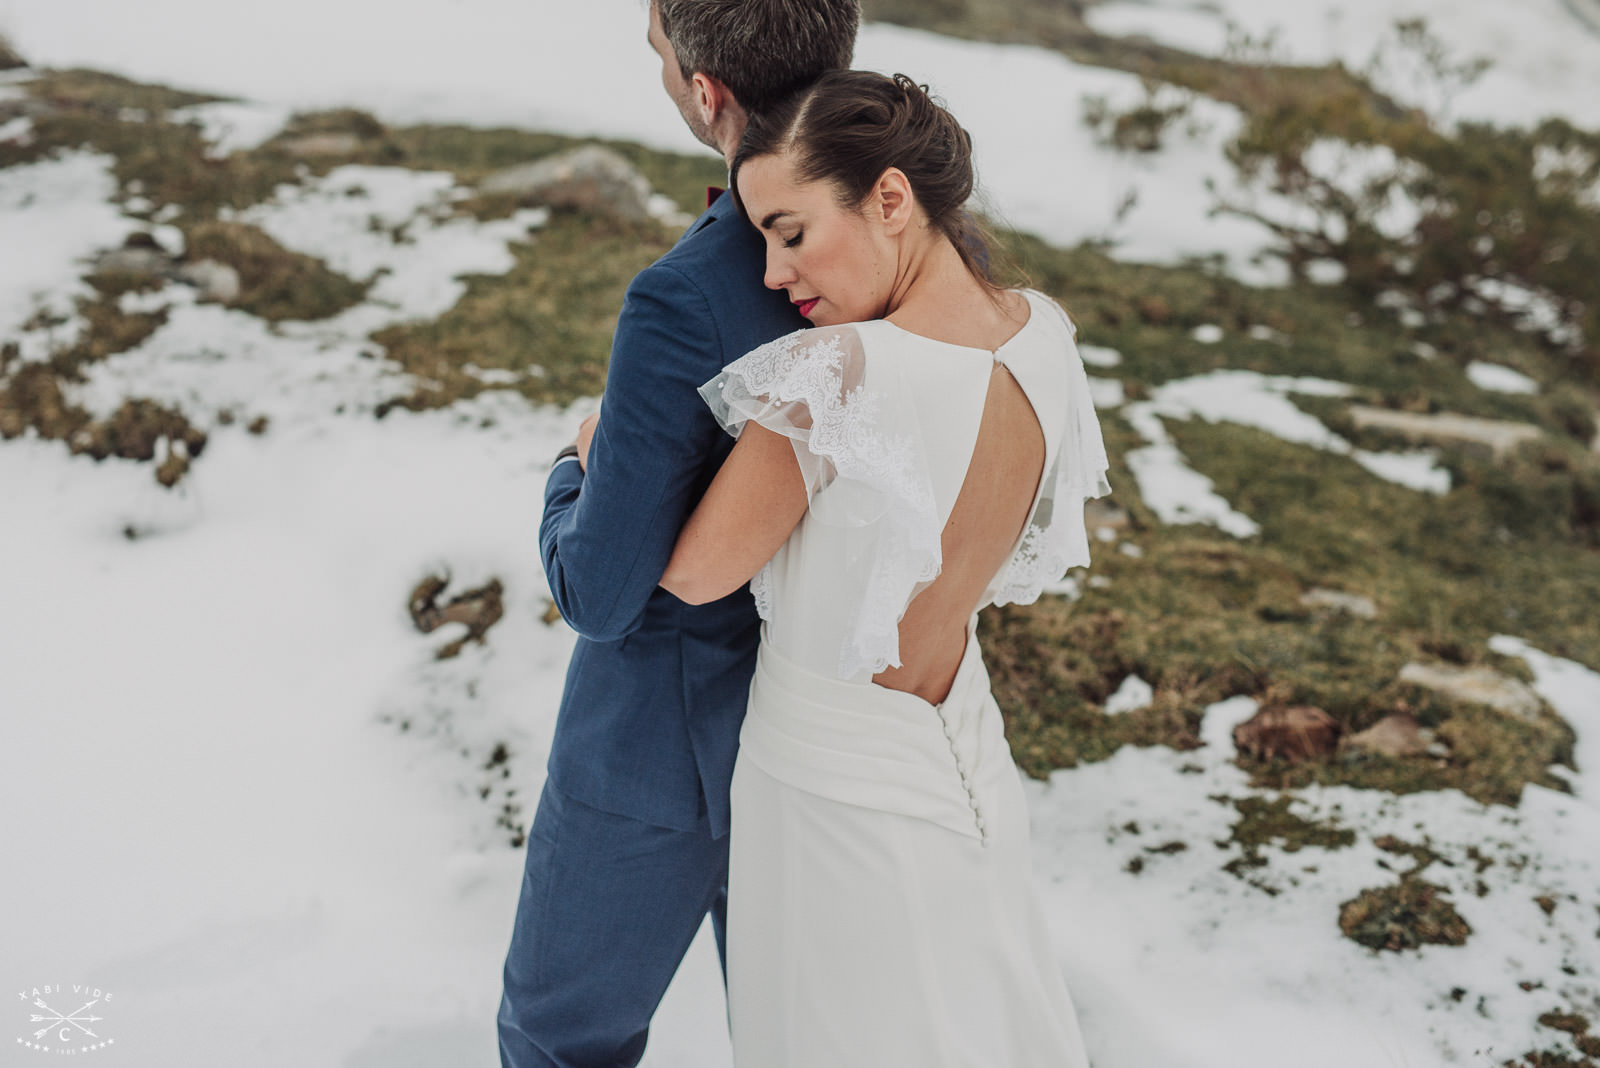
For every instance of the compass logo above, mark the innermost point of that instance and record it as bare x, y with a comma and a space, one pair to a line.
65, 1018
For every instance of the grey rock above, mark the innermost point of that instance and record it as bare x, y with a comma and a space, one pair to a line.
216, 281
322, 144
1497, 436
1349, 603
589, 178
1481, 685
1097, 514
139, 260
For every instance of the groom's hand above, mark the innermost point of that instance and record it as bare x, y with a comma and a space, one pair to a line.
585, 436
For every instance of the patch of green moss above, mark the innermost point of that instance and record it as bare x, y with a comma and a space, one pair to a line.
1571, 1022
549, 320
107, 331
274, 283
1409, 915
1263, 823
1550, 1058
162, 160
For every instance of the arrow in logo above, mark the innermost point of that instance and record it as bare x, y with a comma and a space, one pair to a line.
72, 1019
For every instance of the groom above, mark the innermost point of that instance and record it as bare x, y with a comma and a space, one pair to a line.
629, 850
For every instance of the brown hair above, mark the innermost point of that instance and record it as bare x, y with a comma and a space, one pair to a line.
762, 50
850, 126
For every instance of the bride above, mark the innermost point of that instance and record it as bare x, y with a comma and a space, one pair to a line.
923, 451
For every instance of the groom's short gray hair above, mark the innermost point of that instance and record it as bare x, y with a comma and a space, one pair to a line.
762, 50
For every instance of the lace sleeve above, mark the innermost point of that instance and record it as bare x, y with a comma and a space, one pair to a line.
1056, 538
855, 436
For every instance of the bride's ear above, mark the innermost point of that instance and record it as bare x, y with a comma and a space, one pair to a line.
892, 197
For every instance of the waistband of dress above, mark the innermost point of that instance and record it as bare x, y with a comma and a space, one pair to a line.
867, 745
785, 674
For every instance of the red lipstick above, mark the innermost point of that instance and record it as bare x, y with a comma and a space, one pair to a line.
805, 306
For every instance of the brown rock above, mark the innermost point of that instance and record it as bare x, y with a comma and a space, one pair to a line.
1292, 733
1397, 735
1154, 310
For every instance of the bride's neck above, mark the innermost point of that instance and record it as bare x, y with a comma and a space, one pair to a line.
937, 296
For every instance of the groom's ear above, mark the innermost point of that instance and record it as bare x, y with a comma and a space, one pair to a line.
710, 97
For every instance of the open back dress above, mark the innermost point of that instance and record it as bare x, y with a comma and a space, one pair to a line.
881, 908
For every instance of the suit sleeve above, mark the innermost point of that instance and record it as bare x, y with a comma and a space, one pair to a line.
607, 533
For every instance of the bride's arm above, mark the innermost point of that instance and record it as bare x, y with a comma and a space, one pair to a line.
748, 512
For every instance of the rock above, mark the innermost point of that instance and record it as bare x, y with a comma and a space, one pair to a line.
1481, 685
1497, 436
215, 280
1396, 735
311, 146
588, 178
1154, 309
136, 260
1292, 733
1098, 515
1349, 603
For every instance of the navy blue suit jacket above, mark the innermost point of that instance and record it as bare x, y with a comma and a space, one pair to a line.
656, 689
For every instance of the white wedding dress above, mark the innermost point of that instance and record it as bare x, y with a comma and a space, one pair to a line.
881, 911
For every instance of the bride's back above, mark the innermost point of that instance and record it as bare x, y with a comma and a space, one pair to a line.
976, 543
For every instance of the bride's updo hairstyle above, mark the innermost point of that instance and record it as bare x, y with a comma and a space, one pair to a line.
850, 126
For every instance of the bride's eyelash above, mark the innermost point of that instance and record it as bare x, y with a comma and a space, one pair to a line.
791, 242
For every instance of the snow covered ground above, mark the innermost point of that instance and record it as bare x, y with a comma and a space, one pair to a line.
1544, 54
226, 828
250, 809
